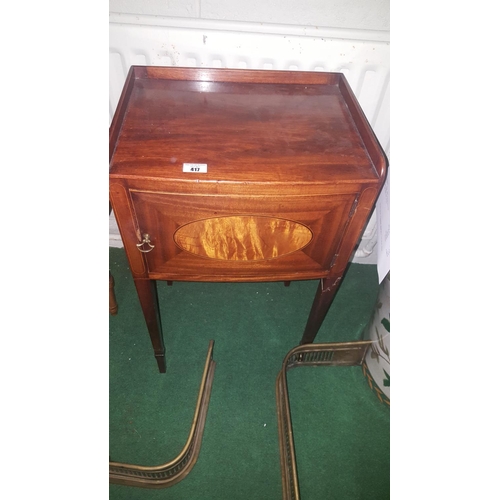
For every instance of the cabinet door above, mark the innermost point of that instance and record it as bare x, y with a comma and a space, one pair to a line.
240, 238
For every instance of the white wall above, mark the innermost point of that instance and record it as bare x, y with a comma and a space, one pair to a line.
348, 36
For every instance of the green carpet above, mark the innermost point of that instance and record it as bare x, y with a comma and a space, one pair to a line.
341, 429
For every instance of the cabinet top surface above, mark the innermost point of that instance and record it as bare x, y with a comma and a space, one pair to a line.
245, 126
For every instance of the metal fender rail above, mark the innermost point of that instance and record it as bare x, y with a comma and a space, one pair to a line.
330, 354
170, 473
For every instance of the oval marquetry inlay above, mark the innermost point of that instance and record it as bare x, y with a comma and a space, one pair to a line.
242, 237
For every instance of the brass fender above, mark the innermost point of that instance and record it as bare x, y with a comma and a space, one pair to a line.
330, 354
170, 473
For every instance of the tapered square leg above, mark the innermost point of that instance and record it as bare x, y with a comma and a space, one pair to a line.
323, 299
148, 297
113, 305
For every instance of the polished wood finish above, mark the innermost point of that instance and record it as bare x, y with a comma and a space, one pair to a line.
242, 238
148, 297
241, 175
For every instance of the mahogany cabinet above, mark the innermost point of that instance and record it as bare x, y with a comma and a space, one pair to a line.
241, 176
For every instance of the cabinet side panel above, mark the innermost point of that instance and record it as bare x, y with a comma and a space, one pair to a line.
354, 229
130, 234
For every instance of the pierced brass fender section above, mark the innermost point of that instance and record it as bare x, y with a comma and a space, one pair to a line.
330, 354
168, 474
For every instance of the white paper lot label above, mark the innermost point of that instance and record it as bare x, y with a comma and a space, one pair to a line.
195, 168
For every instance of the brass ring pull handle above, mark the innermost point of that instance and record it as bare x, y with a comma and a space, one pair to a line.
145, 241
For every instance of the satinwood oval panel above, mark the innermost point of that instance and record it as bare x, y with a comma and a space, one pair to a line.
243, 237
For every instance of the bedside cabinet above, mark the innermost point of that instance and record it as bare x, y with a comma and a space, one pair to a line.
225, 175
